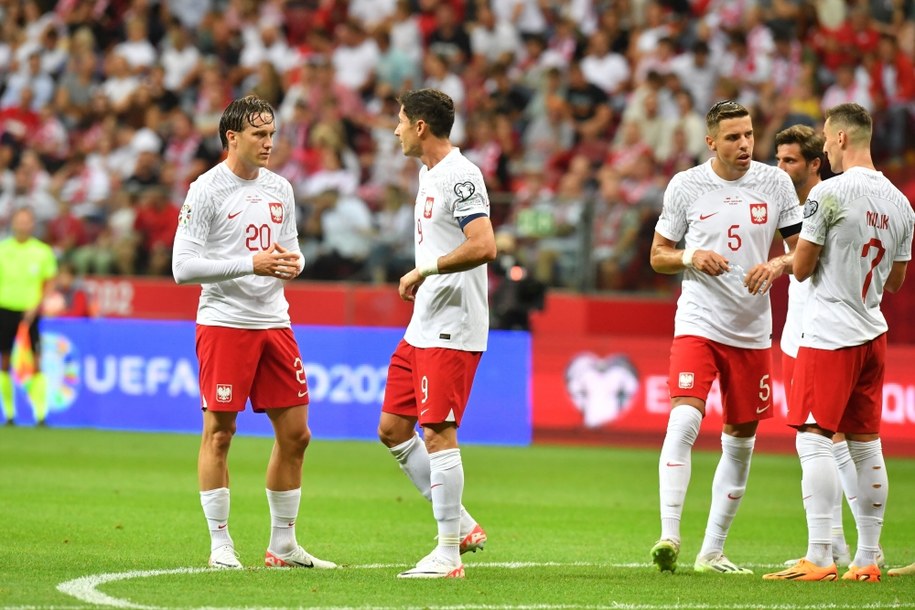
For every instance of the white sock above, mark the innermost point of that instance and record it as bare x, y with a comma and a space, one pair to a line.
675, 466
284, 509
215, 503
819, 487
728, 487
848, 479
447, 478
848, 474
413, 459
873, 488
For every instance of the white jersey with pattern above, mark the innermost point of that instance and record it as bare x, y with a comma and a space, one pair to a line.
864, 224
737, 219
234, 218
451, 310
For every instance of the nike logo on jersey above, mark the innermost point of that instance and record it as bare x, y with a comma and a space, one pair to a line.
706, 216
758, 410
303, 394
231, 216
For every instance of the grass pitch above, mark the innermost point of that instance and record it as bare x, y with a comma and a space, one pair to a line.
117, 516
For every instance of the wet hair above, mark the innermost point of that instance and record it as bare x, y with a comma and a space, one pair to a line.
810, 142
854, 119
432, 106
721, 111
243, 112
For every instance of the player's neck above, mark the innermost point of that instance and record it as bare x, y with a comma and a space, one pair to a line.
805, 190
857, 158
242, 169
434, 151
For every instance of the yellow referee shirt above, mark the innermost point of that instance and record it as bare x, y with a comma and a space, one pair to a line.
24, 268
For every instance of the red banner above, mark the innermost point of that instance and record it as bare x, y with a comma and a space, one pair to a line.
612, 389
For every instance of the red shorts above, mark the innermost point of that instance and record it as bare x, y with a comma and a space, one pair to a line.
788, 373
431, 384
743, 374
238, 363
842, 389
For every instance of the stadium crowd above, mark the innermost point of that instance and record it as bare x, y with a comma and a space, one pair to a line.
578, 112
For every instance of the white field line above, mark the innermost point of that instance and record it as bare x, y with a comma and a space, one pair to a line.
85, 590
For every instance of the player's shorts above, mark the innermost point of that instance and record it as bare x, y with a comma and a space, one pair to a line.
9, 326
240, 363
788, 363
841, 389
744, 376
431, 384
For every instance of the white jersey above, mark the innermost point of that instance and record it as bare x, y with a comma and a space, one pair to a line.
798, 295
451, 309
737, 219
865, 225
233, 218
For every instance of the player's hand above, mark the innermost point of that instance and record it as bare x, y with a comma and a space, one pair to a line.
710, 262
409, 284
299, 263
759, 279
276, 262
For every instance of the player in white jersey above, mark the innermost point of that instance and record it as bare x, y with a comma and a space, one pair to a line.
432, 369
727, 211
799, 153
237, 238
856, 242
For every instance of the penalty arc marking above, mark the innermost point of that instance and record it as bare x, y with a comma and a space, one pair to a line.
85, 589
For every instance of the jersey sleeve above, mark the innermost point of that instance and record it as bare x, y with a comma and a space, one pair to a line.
465, 194
904, 248
790, 213
672, 223
196, 215
289, 230
821, 211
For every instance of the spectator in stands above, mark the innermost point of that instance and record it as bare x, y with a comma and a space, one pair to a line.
449, 38
615, 229
606, 69
697, 72
589, 106
340, 227
355, 58
139, 53
849, 87
30, 76
892, 78
67, 298
492, 41
180, 60
156, 223
395, 69
392, 254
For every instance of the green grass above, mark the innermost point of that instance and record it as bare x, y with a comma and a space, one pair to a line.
75, 503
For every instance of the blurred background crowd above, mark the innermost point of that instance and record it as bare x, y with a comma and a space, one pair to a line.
577, 111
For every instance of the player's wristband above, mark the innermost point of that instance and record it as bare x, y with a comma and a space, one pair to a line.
430, 268
688, 257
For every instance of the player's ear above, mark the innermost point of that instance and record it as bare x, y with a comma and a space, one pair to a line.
710, 142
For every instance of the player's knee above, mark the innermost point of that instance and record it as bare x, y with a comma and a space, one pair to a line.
386, 436
220, 440
298, 442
